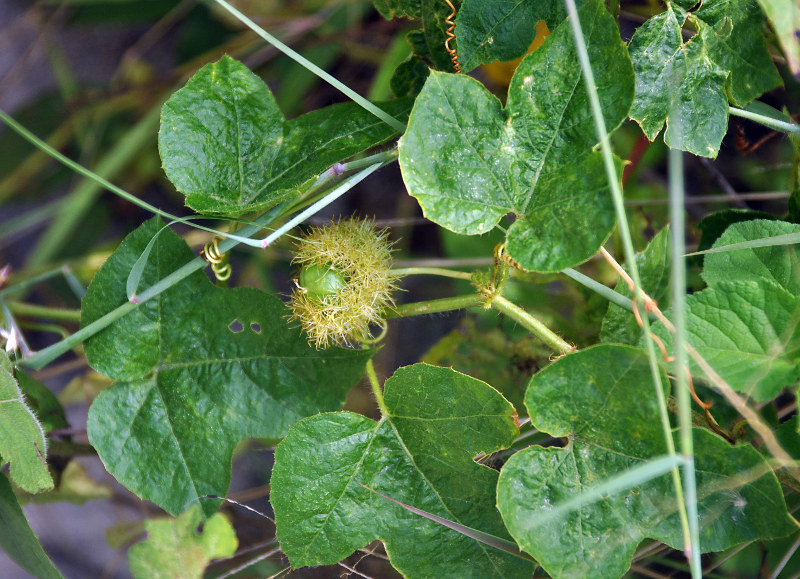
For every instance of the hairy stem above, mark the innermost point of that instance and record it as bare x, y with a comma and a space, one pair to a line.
536, 327
440, 271
435, 306
376, 388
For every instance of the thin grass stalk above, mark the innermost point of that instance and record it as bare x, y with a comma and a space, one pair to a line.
83, 197
627, 242
606, 292
47, 355
81, 170
315, 208
311, 67
678, 277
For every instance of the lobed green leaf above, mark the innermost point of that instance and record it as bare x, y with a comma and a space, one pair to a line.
779, 263
687, 84
226, 146
420, 454
748, 331
200, 368
469, 162
602, 399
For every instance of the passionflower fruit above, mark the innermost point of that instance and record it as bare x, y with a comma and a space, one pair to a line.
345, 282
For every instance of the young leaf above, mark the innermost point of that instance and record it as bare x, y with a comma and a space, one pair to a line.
22, 440
174, 549
748, 331
620, 325
469, 162
17, 538
226, 146
727, 58
200, 368
420, 454
779, 263
734, 35
603, 400
672, 76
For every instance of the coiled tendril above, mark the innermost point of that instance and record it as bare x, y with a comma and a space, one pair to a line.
212, 254
451, 35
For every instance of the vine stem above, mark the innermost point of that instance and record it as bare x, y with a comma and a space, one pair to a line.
37, 311
536, 327
435, 306
440, 271
376, 388
774, 124
498, 302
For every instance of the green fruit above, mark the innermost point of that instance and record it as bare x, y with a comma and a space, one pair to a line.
320, 282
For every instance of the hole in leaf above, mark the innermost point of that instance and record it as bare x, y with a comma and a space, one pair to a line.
256, 327
235, 326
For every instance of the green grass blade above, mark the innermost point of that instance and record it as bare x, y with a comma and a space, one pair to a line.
621, 482
357, 98
678, 279
485, 538
627, 241
785, 239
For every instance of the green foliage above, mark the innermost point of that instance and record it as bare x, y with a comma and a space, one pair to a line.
17, 538
420, 453
227, 147
749, 331
469, 162
602, 399
199, 369
175, 549
690, 82
22, 441
746, 324
502, 30
778, 263
442, 475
